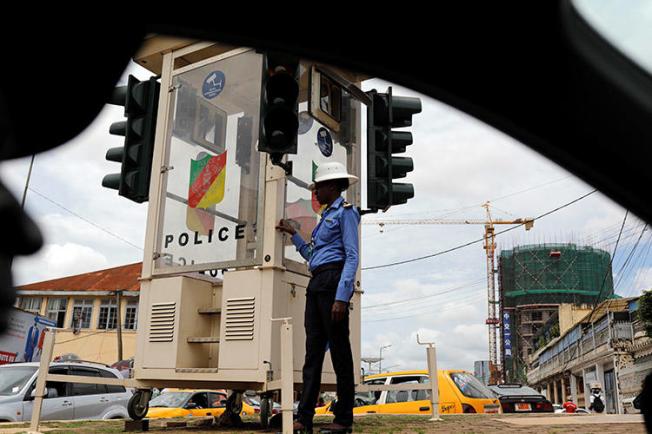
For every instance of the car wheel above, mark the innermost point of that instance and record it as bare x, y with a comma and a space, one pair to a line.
136, 409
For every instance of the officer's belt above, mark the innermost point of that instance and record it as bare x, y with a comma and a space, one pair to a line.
327, 267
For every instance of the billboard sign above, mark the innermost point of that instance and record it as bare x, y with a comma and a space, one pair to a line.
23, 341
507, 335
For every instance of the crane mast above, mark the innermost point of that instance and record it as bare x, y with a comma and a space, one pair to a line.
489, 245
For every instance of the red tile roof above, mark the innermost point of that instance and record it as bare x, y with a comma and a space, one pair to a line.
124, 278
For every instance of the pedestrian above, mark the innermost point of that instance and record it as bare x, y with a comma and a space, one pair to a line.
596, 400
569, 406
332, 256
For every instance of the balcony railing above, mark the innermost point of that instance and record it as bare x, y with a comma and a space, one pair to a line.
561, 355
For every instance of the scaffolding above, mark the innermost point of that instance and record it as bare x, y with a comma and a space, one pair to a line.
555, 273
537, 278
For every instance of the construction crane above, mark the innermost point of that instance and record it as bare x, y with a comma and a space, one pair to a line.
493, 301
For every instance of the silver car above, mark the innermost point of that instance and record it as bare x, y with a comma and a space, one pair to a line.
63, 400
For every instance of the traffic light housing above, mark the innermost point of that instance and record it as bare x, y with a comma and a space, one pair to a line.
385, 113
279, 106
140, 100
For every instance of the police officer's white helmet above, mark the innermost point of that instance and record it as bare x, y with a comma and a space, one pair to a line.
332, 170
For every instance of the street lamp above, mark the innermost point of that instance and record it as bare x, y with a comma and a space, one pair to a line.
380, 357
392, 366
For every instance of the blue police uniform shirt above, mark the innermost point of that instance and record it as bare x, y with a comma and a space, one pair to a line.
335, 239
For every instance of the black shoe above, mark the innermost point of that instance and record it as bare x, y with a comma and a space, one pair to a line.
335, 428
300, 428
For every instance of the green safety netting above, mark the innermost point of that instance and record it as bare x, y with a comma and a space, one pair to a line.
554, 273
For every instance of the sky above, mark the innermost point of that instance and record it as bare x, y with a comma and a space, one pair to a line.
460, 163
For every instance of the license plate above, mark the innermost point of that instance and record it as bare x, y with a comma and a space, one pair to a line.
491, 409
523, 406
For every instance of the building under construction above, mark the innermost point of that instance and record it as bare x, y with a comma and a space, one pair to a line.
534, 281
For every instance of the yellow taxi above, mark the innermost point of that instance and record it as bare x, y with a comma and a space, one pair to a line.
191, 403
459, 392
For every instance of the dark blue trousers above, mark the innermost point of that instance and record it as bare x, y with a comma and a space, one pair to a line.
320, 332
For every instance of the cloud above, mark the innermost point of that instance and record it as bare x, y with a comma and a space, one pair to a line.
59, 260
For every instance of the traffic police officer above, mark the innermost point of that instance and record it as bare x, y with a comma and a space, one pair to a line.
333, 260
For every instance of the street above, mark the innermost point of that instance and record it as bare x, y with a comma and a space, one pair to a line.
471, 423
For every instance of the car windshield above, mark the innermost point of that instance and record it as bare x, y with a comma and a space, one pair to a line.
170, 399
515, 390
252, 401
13, 378
470, 386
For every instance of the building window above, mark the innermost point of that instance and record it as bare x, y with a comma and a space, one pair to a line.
108, 313
17, 303
56, 310
31, 304
131, 315
537, 316
81, 313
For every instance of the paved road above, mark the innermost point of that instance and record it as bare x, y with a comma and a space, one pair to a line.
387, 424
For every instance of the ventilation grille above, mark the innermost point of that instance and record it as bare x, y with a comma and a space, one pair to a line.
161, 328
240, 319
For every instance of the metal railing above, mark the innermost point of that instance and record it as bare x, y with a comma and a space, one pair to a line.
562, 354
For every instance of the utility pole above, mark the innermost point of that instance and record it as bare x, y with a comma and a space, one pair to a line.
22, 201
118, 322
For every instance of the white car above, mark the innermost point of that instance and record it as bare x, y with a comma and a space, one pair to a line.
63, 400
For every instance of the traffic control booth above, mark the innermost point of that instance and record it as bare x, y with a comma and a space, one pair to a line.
220, 284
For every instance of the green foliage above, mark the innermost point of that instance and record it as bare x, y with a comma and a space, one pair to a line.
645, 311
554, 331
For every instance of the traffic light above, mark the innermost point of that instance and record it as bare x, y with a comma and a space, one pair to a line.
388, 112
140, 100
279, 106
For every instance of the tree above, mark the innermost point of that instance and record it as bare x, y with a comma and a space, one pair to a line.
645, 311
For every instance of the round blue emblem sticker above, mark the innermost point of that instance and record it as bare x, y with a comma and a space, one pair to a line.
213, 84
325, 142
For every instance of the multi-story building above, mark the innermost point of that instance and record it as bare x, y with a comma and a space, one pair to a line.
609, 346
85, 308
534, 281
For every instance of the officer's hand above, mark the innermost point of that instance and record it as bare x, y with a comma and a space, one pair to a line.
338, 311
285, 226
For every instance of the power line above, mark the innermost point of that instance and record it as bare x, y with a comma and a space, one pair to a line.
642, 277
450, 211
434, 306
629, 257
82, 337
85, 219
471, 297
478, 240
468, 285
637, 264
606, 274
531, 188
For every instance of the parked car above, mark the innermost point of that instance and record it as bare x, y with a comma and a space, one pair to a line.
254, 402
517, 398
63, 400
191, 403
459, 392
